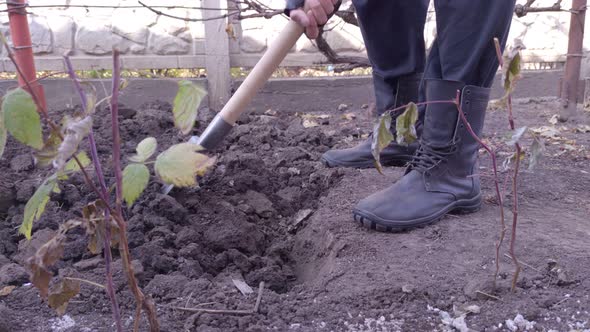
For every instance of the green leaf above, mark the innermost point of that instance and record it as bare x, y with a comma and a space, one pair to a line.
537, 149
36, 205
22, 119
61, 293
135, 180
186, 105
145, 149
76, 129
511, 68
516, 136
382, 136
3, 136
72, 165
180, 164
405, 125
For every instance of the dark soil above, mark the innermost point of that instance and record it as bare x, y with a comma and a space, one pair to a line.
269, 211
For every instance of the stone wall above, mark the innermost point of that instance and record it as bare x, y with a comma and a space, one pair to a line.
148, 40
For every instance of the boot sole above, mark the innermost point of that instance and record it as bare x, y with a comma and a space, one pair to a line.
400, 161
369, 221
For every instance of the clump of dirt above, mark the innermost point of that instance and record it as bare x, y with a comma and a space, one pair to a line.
240, 221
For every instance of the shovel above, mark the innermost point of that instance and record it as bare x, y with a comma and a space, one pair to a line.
236, 105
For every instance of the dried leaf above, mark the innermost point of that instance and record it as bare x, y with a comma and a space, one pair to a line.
349, 116
537, 149
94, 222
7, 290
123, 84
21, 119
180, 164
61, 293
135, 180
90, 95
382, 136
145, 149
186, 105
579, 128
516, 136
45, 156
229, 29
405, 125
554, 119
46, 256
76, 129
36, 205
511, 159
547, 132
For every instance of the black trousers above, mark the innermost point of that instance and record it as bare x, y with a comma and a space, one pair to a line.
463, 50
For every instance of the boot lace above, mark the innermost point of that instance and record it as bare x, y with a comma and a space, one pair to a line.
427, 157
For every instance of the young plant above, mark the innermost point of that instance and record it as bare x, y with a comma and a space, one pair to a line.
102, 219
405, 133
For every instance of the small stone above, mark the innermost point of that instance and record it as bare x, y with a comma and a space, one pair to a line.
23, 162
247, 209
13, 274
127, 113
365, 106
342, 107
88, 264
408, 289
24, 191
261, 204
168, 207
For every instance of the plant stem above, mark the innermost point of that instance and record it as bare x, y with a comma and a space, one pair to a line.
101, 180
142, 302
514, 177
499, 196
115, 131
515, 198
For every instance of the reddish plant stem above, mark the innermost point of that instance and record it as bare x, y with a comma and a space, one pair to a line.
514, 177
142, 302
514, 198
115, 131
499, 195
101, 180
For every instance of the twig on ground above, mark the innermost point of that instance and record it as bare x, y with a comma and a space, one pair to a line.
489, 295
224, 311
86, 282
524, 264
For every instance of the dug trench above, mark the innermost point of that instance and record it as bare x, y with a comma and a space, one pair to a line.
270, 211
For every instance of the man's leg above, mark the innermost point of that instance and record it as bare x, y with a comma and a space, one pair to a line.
442, 176
393, 32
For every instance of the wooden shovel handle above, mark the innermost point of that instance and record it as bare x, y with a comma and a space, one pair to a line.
261, 72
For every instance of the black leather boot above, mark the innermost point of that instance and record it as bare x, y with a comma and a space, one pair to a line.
388, 96
442, 176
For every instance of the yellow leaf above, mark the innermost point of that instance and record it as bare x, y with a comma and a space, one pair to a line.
180, 164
